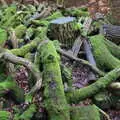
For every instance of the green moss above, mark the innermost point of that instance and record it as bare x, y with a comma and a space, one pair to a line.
29, 56
66, 75
3, 36
8, 13
4, 115
29, 33
55, 101
89, 112
103, 100
20, 31
40, 22
103, 57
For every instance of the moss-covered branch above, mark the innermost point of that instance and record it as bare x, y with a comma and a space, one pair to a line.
113, 48
102, 83
54, 97
84, 62
104, 58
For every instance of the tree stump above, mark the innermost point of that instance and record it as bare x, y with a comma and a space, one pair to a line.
65, 30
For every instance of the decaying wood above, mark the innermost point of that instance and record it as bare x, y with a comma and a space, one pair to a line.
55, 100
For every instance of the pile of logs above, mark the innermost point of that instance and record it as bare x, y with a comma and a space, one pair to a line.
36, 38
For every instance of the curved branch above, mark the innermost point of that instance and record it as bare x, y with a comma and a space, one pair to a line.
102, 83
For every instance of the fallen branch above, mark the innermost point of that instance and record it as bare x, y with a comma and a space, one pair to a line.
89, 91
55, 100
26, 48
84, 62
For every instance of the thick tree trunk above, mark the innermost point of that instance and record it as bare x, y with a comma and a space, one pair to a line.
89, 91
104, 59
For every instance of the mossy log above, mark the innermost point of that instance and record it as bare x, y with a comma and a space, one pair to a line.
89, 91
12, 87
64, 29
112, 32
113, 48
89, 112
104, 59
54, 97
